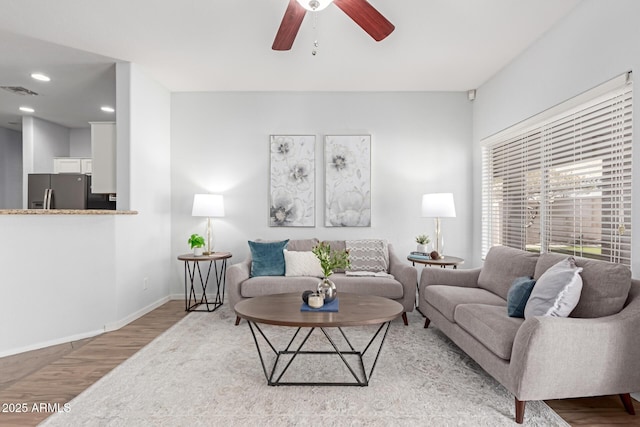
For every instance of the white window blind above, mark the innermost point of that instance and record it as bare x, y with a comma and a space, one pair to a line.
561, 182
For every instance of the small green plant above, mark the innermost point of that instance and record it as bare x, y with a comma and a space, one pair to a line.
422, 239
331, 260
196, 241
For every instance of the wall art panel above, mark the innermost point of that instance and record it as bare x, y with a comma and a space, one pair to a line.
292, 181
347, 180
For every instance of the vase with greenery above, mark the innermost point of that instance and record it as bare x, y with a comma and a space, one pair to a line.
196, 242
330, 260
422, 240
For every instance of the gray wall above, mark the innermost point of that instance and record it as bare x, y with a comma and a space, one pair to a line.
10, 169
596, 42
421, 142
80, 142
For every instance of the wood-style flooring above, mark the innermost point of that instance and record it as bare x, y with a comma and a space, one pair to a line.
58, 374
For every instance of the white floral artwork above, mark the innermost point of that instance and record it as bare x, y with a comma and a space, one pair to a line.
347, 180
292, 183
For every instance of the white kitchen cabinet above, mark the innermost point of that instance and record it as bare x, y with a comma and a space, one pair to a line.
67, 165
103, 150
86, 166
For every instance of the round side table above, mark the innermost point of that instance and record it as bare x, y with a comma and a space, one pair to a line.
191, 267
442, 262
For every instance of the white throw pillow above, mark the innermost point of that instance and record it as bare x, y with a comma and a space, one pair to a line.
302, 264
557, 291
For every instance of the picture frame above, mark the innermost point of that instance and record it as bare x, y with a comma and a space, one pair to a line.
292, 181
347, 173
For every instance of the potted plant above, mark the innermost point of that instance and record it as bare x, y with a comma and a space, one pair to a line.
197, 244
422, 240
329, 261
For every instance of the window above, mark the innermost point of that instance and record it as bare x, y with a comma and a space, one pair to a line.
561, 181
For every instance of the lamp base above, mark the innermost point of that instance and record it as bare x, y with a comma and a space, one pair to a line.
208, 253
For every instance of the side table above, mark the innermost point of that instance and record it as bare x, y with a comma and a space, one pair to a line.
442, 262
191, 266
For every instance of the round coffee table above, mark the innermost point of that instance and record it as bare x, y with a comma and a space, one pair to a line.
284, 310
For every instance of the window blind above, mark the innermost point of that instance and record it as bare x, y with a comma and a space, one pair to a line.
562, 182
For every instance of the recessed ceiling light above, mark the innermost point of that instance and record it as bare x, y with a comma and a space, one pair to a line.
41, 77
107, 109
27, 109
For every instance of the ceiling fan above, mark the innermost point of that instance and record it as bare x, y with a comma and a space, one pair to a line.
361, 11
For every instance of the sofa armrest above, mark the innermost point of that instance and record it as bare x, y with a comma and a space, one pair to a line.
555, 358
407, 276
236, 274
442, 276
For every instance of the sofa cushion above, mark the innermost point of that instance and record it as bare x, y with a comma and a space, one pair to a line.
502, 266
490, 325
557, 291
301, 263
368, 255
446, 298
386, 287
267, 259
267, 285
519, 295
605, 285
302, 245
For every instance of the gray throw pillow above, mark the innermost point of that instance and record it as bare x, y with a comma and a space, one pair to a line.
556, 292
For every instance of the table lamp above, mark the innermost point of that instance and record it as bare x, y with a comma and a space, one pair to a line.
438, 205
208, 205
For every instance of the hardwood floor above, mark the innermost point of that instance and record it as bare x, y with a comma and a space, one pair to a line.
58, 374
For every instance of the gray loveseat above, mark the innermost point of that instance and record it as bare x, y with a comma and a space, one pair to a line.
400, 288
595, 351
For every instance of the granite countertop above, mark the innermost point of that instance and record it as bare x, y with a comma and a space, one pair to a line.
64, 212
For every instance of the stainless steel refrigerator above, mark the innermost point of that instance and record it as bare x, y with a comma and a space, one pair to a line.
58, 191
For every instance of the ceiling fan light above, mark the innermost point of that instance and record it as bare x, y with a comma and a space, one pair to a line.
314, 5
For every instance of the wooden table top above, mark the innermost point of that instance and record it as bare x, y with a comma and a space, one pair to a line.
284, 310
213, 257
447, 260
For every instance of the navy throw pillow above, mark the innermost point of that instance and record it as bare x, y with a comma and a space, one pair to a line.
518, 296
267, 259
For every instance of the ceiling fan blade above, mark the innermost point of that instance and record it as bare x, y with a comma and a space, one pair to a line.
289, 26
365, 15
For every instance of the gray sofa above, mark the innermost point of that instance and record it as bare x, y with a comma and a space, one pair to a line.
595, 351
401, 288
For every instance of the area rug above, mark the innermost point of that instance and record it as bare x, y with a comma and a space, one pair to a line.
206, 371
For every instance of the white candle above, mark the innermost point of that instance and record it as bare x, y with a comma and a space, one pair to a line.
316, 301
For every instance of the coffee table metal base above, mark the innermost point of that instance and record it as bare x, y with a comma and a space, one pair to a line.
361, 378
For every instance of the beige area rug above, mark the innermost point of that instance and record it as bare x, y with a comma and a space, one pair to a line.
206, 371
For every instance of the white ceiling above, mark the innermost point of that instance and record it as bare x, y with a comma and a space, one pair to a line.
225, 45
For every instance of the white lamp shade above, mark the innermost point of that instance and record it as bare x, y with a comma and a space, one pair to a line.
438, 205
208, 205
314, 5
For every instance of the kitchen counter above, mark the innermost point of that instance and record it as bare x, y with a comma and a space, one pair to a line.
65, 212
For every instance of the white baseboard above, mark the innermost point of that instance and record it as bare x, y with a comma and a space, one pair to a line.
50, 343
70, 338
130, 318
636, 396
